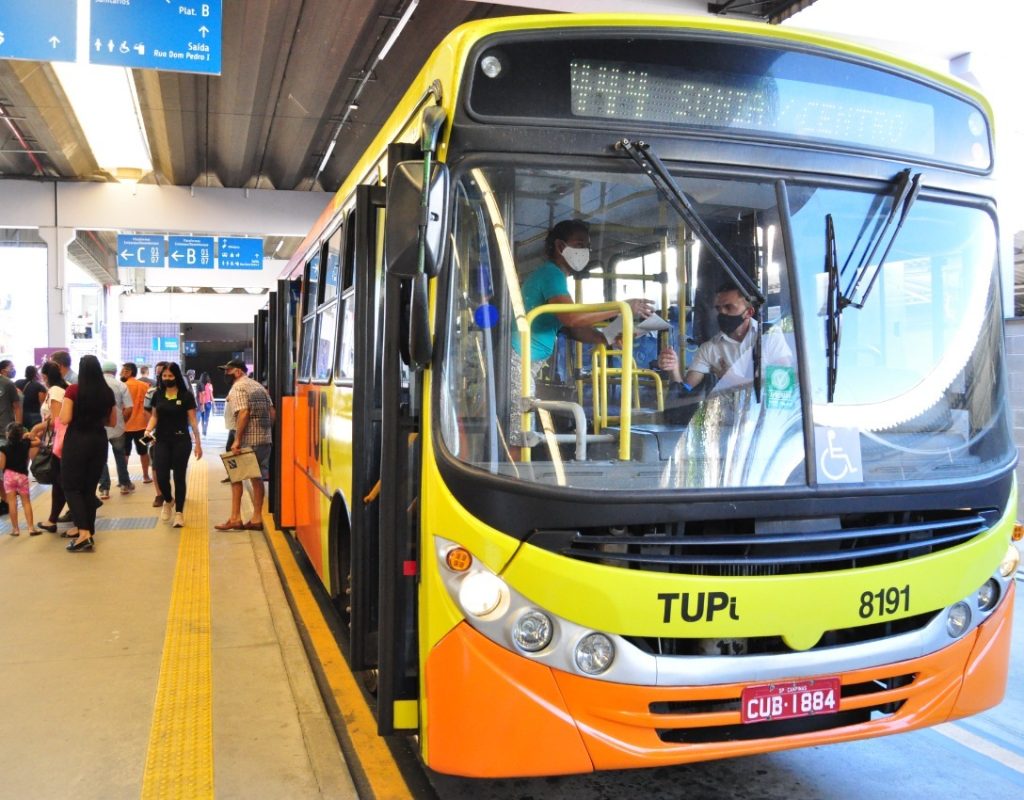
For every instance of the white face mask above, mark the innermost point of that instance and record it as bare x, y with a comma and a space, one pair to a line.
576, 257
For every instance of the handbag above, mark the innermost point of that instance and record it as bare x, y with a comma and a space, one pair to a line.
44, 467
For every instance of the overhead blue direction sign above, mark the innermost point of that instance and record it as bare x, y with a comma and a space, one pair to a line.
237, 253
41, 31
140, 250
183, 35
190, 252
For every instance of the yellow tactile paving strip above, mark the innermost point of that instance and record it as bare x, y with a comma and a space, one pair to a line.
179, 763
380, 771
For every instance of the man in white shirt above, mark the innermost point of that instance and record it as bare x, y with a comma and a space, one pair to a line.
728, 355
115, 435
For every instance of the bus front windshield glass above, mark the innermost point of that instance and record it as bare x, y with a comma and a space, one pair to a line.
713, 396
704, 394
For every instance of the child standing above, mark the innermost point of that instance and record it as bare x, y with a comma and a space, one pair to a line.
14, 463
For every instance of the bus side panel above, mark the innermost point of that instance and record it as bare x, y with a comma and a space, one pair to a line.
287, 463
307, 494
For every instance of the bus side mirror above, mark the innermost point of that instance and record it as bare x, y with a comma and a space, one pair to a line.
405, 215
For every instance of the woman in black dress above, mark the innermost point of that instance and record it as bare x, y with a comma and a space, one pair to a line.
173, 413
88, 406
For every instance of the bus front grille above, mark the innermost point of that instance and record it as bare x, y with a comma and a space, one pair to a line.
732, 548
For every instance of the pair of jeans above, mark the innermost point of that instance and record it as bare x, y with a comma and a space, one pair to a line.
85, 452
120, 463
171, 455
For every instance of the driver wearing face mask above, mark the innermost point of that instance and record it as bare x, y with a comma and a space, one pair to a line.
728, 354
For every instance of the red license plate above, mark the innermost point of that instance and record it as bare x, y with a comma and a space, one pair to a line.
775, 701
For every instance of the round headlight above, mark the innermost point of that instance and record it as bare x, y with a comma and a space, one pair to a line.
490, 66
958, 619
532, 631
481, 593
988, 595
594, 653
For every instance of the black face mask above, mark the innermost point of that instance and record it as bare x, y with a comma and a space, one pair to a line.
169, 381
727, 323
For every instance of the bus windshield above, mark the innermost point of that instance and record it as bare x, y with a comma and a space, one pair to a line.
715, 397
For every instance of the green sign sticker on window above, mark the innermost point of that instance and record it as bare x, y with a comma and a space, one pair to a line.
781, 387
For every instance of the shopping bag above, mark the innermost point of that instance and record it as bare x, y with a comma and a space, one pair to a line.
242, 465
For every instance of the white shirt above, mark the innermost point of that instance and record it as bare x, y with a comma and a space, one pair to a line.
53, 393
122, 399
733, 362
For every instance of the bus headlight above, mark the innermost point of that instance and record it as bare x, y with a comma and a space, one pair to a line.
1010, 563
533, 631
483, 594
594, 653
958, 619
988, 595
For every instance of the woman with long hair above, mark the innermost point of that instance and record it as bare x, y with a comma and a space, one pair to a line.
88, 406
51, 425
205, 400
173, 413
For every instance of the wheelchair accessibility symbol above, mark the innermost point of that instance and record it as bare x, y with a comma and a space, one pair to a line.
838, 455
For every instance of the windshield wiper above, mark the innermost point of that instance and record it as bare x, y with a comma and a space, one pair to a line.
663, 181
905, 190
906, 187
833, 307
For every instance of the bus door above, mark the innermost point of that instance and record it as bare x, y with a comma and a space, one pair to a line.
360, 559
281, 357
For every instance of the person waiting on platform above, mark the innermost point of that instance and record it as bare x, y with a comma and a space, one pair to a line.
254, 421
135, 426
115, 434
88, 406
173, 409
567, 247
728, 355
14, 459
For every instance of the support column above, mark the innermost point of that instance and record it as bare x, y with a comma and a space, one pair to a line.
57, 241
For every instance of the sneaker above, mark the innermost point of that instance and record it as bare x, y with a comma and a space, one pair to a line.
179, 520
158, 501
128, 488
104, 494
166, 512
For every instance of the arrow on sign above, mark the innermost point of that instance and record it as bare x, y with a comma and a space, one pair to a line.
126, 254
1, 37
99, 45
204, 30
54, 41
177, 256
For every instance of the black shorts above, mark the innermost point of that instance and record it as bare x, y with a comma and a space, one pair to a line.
135, 436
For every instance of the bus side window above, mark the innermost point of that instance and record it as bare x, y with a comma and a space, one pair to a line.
345, 369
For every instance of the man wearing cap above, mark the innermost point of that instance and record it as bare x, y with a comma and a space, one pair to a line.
115, 435
254, 420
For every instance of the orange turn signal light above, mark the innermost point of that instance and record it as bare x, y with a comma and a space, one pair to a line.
1018, 532
458, 559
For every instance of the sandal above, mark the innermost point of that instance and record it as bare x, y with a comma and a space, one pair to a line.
230, 525
16, 533
34, 532
252, 526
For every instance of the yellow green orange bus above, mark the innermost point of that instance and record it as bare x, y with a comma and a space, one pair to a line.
590, 565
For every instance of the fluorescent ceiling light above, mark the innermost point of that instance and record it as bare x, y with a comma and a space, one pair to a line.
107, 109
398, 30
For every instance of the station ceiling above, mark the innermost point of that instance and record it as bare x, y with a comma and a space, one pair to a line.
290, 71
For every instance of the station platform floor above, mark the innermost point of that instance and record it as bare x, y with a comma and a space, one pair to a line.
165, 663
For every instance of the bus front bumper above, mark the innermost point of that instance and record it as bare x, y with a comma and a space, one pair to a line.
494, 713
